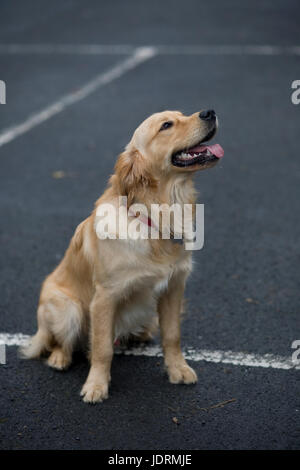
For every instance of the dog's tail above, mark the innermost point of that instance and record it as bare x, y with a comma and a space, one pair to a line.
37, 345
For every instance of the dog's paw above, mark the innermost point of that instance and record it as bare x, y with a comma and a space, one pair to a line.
59, 360
182, 373
93, 392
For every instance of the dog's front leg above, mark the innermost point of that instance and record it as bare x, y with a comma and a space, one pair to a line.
95, 388
169, 309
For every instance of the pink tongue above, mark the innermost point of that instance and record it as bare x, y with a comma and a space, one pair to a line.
215, 149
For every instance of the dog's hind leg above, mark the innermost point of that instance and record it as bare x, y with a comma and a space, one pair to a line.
60, 358
66, 324
60, 321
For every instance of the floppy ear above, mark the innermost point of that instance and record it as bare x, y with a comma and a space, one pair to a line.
132, 175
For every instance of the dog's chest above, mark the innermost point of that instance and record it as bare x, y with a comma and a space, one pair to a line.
137, 314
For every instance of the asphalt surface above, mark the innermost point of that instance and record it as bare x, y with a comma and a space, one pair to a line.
252, 225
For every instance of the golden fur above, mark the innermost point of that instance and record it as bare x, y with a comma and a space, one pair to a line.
103, 289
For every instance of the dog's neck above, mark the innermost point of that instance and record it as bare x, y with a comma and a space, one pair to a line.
178, 190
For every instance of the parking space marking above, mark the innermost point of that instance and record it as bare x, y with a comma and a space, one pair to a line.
76, 49
140, 55
270, 361
137, 56
99, 49
223, 49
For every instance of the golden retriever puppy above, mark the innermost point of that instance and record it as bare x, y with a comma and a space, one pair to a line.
108, 288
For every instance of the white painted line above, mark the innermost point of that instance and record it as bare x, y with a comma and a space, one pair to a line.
270, 361
140, 55
224, 357
99, 49
17, 339
76, 49
264, 50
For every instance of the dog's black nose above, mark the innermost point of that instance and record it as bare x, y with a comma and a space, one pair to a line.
208, 115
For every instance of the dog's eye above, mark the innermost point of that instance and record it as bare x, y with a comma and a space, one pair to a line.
166, 125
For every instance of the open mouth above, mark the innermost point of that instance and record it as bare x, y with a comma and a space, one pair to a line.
199, 154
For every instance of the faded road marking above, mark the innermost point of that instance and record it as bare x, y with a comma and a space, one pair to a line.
271, 361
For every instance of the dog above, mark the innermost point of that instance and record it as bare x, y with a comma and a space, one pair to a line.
104, 290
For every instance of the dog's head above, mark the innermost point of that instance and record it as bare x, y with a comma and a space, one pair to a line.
168, 143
